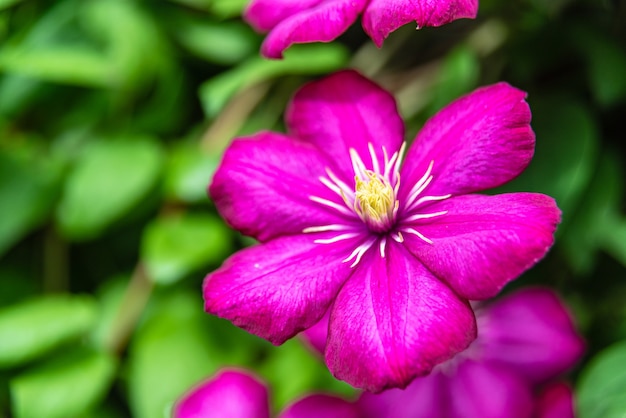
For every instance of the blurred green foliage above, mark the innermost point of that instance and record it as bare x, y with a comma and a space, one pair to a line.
113, 117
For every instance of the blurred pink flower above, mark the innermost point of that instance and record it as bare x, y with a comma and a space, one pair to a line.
396, 246
556, 400
301, 21
524, 340
239, 394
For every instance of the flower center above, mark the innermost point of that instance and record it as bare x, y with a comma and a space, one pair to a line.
375, 201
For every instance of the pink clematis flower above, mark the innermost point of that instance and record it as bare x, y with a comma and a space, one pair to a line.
394, 247
524, 340
239, 394
301, 21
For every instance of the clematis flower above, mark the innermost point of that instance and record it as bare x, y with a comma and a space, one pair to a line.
393, 246
239, 394
302, 21
524, 340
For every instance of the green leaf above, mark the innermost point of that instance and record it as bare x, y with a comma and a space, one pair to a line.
223, 43
64, 64
63, 387
596, 220
188, 173
8, 3
614, 241
602, 384
606, 64
31, 329
227, 8
306, 59
135, 47
171, 352
109, 179
459, 75
29, 186
175, 246
110, 297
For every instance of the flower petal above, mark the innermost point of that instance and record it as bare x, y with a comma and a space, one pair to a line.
393, 321
280, 288
530, 332
482, 391
425, 397
343, 111
477, 142
264, 15
321, 406
232, 393
323, 22
264, 183
317, 335
483, 242
381, 17
555, 401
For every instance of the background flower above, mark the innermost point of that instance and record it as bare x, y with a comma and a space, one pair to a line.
289, 21
239, 394
524, 340
393, 248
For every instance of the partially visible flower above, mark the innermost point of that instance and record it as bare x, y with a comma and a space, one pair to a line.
301, 21
231, 393
524, 340
239, 394
394, 247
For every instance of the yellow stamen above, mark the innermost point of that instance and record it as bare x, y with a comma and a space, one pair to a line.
374, 199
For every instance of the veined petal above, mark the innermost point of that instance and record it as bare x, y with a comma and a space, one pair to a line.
344, 111
393, 321
555, 401
381, 17
483, 242
323, 22
232, 393
277, 289
480, 390
264, 184
263, 15
477, 142
321, 406
531, 333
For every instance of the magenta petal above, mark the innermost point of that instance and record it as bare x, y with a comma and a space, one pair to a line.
530, 332
280, 288
381, 17
477, 142
555, 401
481, 391
343, 111
321, 406
393, 321
425, 397
321, 23
317, 335
483, 242
264, 183
233, 394
263, 15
